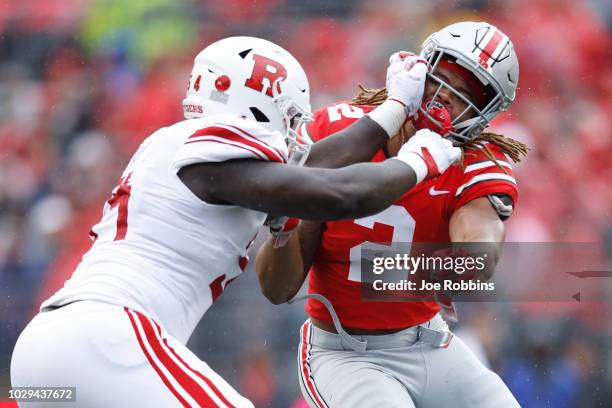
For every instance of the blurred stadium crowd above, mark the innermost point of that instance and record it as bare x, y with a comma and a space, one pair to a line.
83, 82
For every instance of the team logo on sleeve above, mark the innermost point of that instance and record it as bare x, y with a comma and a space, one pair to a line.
267, 74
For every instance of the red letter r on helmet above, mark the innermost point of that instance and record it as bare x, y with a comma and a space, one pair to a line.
268, 70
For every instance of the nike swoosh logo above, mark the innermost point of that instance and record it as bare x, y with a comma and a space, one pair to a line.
434, 192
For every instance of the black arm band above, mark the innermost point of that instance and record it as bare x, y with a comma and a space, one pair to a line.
503, 205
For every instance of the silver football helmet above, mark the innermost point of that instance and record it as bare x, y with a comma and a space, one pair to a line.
489, 55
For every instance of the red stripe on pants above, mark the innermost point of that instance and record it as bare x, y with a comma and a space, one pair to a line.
190, 385
199, 374
307, 379
152, 362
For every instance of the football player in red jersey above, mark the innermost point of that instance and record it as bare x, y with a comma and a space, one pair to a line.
400, 354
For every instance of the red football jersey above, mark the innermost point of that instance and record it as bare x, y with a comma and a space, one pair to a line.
421, 215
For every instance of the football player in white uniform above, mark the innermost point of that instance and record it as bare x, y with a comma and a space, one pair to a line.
176, 229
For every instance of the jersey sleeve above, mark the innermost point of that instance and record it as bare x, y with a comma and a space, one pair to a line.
481, 177
219, 142
317, 129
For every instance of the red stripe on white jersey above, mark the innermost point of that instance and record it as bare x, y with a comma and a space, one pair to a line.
305, 368
247, 134
239, 136
214, 139
159, 372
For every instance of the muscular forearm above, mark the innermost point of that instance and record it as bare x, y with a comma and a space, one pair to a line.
369, 188
486, 252
280, 270
479, 227
316, 194
354, 144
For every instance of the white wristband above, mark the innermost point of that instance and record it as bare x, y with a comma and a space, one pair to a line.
417, 163
390, 116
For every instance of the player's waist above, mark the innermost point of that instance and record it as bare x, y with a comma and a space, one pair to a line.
338, 338
375, 318
137, 290
434, 332
177, 326
329, 327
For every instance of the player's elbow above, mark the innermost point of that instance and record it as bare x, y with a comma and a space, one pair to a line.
487, 273
276, 291
276, 295
276, 300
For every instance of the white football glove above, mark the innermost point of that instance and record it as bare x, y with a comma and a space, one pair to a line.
406, 79
405, 85
429, 154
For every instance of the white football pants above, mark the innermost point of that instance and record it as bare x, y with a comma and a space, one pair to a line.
115, 357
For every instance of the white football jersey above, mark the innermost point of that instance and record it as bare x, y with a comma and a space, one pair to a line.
160, 249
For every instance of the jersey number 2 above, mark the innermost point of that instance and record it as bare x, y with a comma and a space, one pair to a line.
343, 109
402, 224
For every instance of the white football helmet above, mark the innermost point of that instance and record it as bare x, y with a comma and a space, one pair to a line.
253, 79
487, 53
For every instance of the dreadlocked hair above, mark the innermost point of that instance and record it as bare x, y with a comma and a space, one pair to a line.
513, 148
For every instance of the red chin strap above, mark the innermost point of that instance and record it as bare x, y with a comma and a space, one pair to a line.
478, 88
